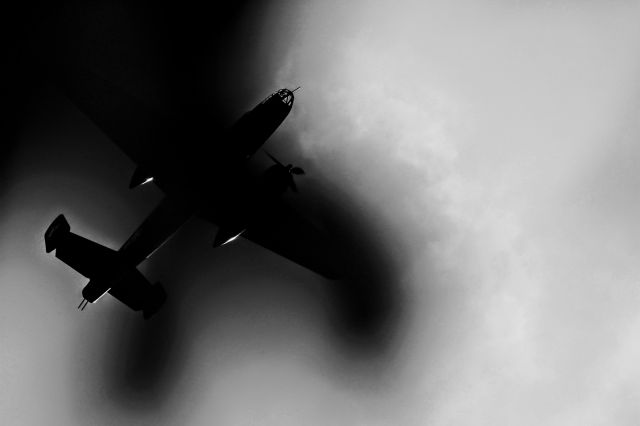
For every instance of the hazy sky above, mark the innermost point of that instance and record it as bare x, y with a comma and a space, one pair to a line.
496, 140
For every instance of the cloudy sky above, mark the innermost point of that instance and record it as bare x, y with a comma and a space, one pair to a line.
494, 148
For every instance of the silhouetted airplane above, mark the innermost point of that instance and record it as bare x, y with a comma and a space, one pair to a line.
216, 187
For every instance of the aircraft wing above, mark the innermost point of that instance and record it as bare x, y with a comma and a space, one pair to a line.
144, 134
285, 232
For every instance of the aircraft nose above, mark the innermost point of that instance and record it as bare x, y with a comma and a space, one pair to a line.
286, 96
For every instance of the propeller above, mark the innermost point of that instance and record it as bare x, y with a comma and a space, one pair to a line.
290, 169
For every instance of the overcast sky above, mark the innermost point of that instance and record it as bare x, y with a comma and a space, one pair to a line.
496, 141
501, 138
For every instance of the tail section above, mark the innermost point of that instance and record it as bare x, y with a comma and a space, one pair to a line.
108, 270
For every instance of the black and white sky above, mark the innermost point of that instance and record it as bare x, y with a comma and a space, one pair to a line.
488, 148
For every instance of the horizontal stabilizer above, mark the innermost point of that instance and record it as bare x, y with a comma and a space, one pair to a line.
94, 290
139, 295
85, 256
57, 230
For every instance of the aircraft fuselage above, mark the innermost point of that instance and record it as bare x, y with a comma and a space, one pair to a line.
253, 129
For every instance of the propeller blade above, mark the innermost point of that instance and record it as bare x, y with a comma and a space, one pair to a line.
275, 160
291, 170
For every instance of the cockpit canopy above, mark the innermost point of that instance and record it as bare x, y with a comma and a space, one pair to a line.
283, 95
